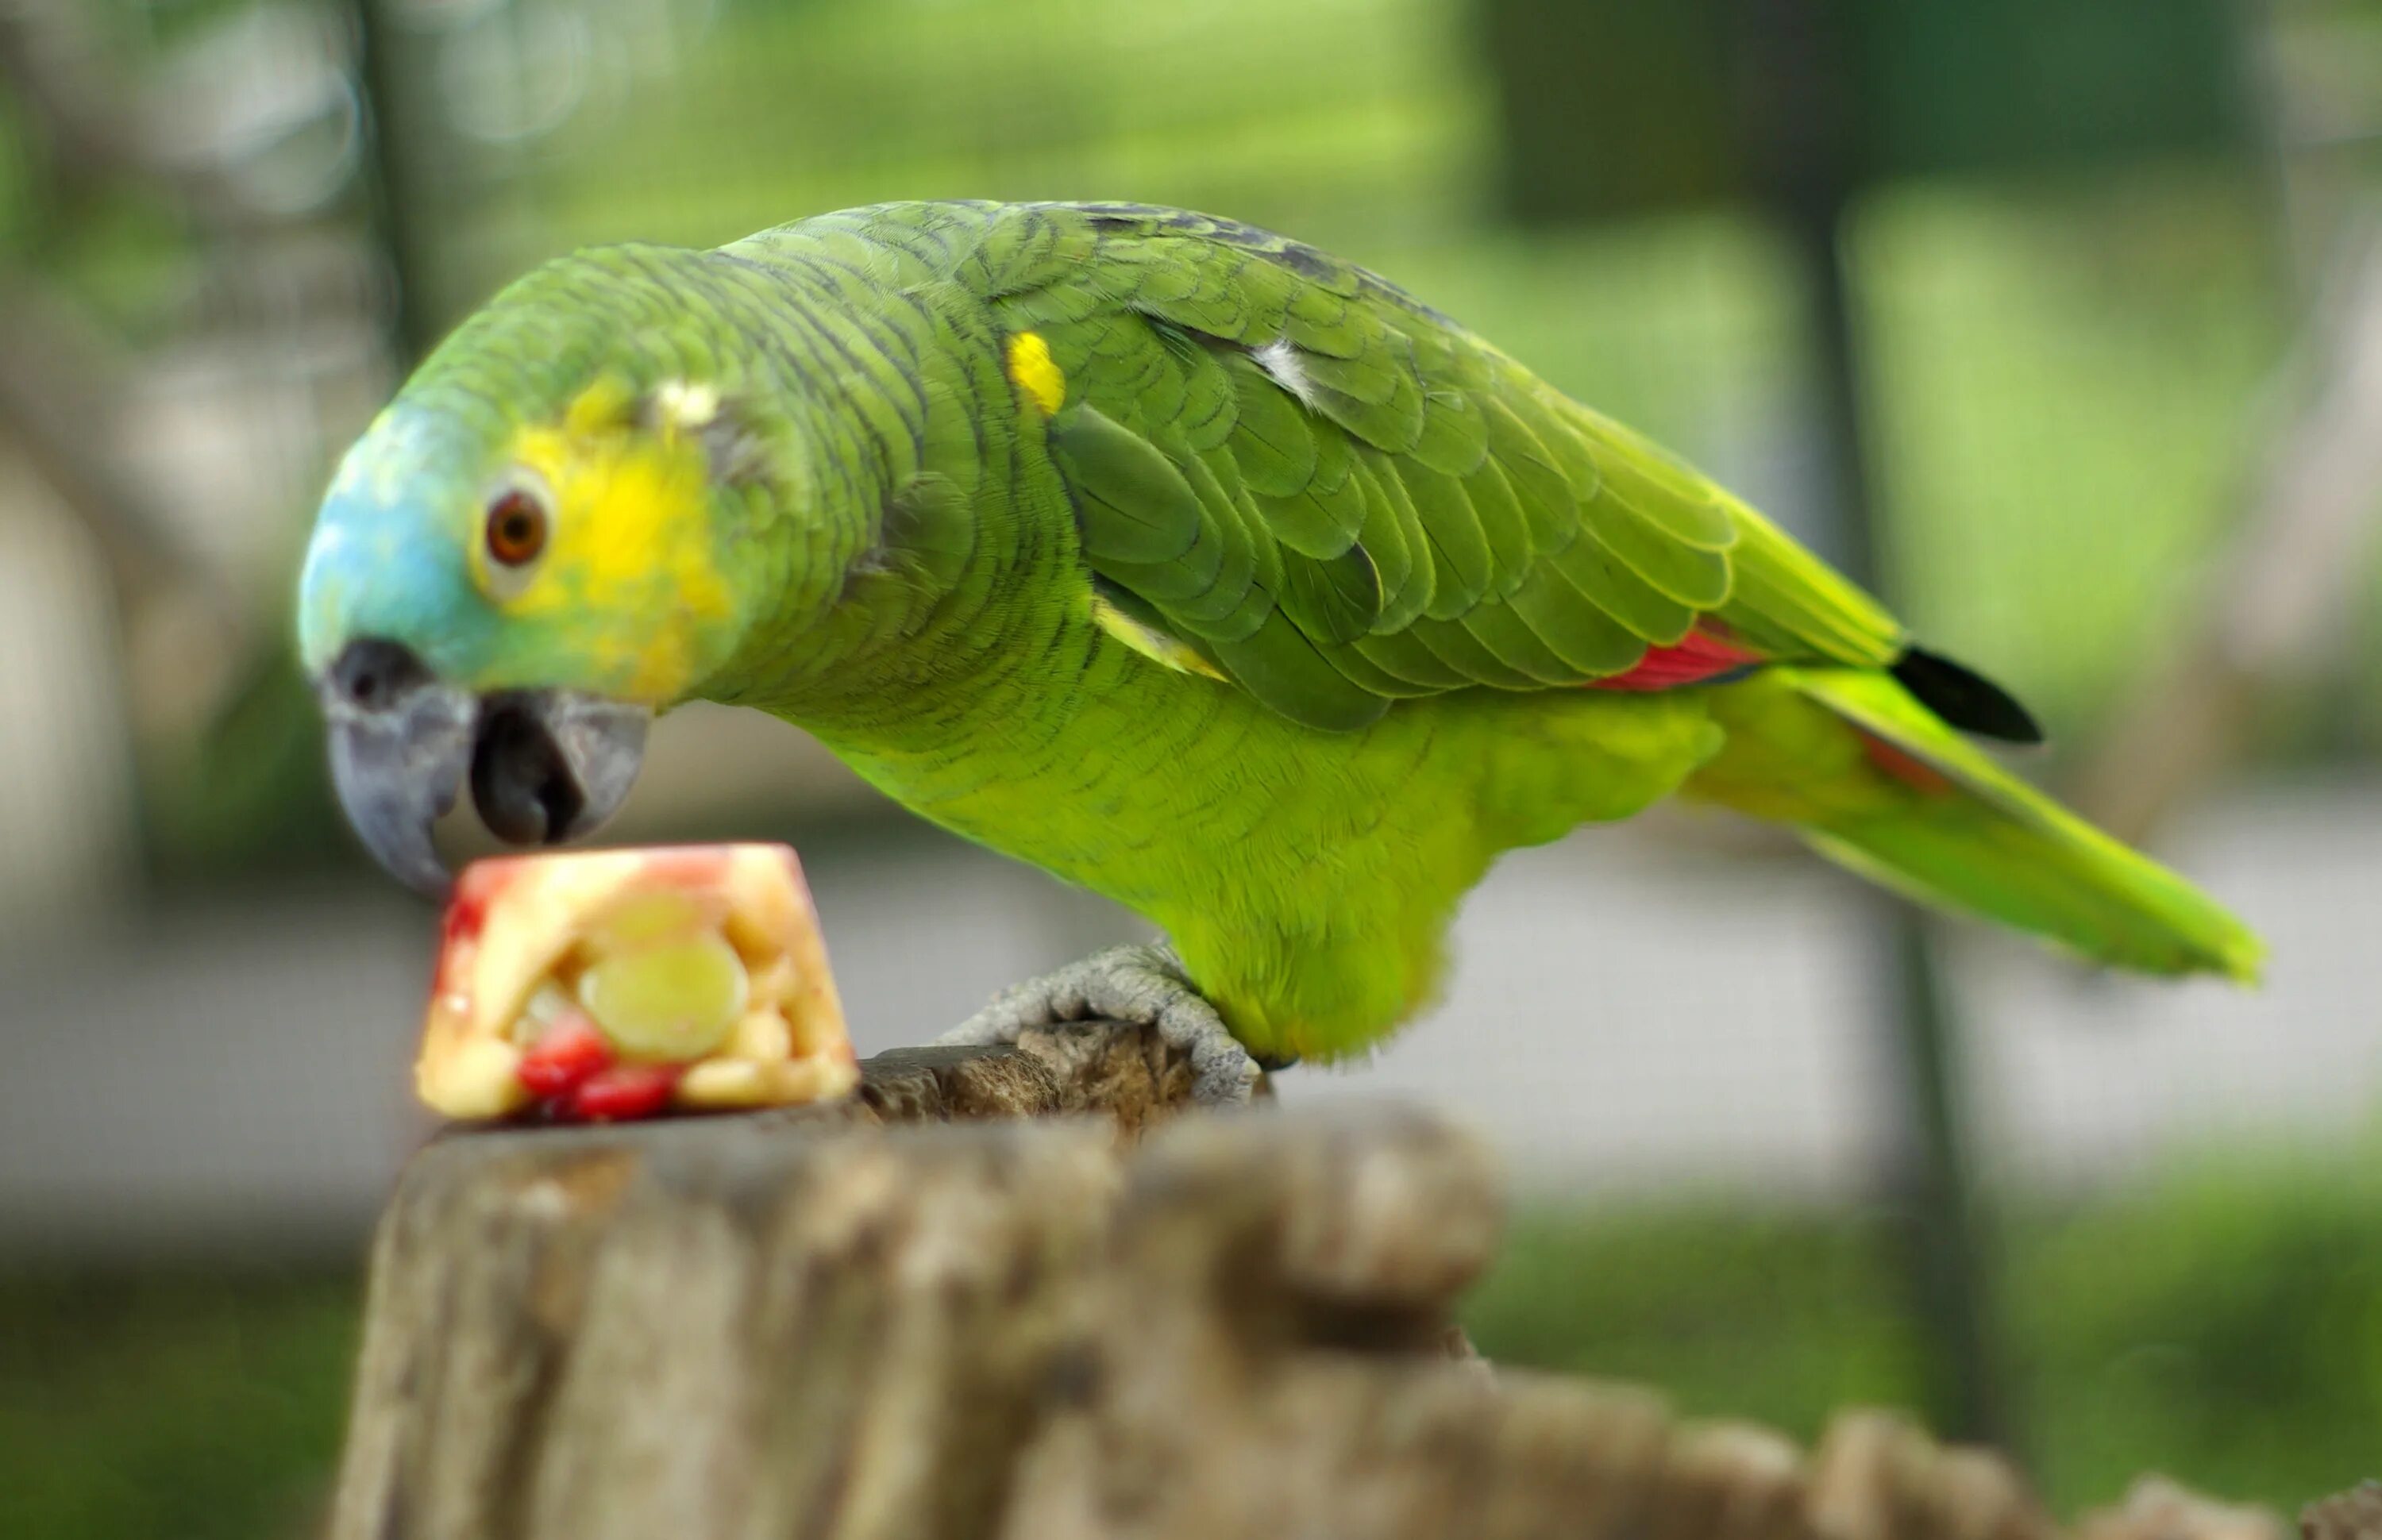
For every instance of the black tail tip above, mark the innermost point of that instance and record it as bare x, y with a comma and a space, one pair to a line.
1967, 701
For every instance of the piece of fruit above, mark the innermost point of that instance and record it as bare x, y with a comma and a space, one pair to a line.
623, 1092
611, 985
667, 999
571, 1053
480, 1079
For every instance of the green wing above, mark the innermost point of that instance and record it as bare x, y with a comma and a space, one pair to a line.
1340, 497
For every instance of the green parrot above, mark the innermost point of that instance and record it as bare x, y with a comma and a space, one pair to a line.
1183, 561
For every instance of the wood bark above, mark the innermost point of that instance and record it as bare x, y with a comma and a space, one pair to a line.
993, 1297
2355, 1514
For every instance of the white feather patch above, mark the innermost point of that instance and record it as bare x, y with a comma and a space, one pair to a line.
1280, 360
689, 404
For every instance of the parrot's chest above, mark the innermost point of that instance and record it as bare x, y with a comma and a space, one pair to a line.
1307, 877
1167, 790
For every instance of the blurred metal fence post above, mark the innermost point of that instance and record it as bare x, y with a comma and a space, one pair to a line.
406, 327
1928, 1177
1794, 107
1803, 119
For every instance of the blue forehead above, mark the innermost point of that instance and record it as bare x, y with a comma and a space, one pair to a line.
387, 558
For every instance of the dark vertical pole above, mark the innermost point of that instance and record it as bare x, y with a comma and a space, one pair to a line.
1932, 1191
1802, 116
385, 187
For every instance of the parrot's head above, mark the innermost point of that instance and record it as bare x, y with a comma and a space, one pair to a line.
530, 551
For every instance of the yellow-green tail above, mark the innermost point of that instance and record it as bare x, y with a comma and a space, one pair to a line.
1874, 781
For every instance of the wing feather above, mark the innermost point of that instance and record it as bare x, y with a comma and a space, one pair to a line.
1343, 498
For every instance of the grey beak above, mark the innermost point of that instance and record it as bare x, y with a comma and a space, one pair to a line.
545, 765
552, 764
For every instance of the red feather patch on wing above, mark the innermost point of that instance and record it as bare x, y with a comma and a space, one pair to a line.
1699, 658
1905, 766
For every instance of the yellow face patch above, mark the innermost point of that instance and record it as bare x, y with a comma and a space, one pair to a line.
1033, 372
630, 550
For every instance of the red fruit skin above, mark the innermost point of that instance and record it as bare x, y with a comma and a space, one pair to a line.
467, 909
622, 1093
571, 1053
466, 916
697, 866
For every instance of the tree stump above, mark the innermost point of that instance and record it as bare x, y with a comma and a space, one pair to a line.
2355, 1514
978, 1301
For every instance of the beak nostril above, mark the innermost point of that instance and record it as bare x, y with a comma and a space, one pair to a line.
375, 675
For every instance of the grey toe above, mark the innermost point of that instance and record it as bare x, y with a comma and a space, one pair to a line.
1139, 983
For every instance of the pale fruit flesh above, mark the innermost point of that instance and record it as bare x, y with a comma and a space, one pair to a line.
620, 984
668, 999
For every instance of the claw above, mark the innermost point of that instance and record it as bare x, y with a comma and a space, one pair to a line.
1145, 986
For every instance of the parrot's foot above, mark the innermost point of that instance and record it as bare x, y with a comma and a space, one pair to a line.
1141, 985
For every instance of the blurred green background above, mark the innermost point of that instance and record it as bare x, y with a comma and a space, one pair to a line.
2076, 371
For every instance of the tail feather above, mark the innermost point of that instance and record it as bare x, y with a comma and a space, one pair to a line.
1964, 698
1874, 780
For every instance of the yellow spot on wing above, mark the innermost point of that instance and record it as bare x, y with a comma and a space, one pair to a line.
1149, 641
1031, 367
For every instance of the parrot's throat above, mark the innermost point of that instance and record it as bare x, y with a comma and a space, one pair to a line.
920, 678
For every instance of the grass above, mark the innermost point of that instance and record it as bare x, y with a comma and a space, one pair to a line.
2224, 1327
194, 1406
2229, 1331
1775, 1317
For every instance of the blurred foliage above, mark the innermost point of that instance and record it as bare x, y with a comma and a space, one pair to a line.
1782, 1317
125, 255
250, 799
2065, 387
2228, 1330
793, 108
189, 1406
115, 245
15, 176
2224, 1326
1698, 92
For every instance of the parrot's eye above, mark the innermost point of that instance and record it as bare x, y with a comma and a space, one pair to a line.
516, 527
